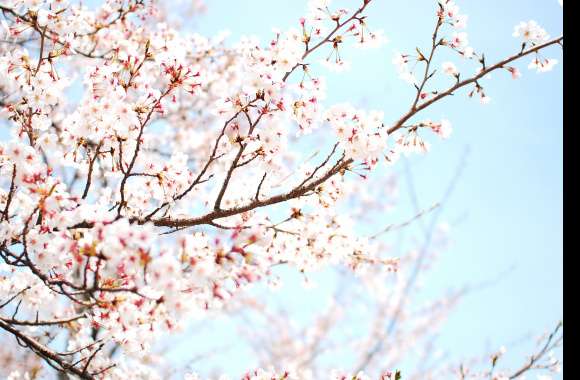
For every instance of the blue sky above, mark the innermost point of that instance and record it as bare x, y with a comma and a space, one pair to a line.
508, 202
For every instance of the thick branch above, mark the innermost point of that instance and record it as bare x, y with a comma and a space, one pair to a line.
292, 194
44, 352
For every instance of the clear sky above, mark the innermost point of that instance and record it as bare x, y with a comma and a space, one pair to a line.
506, 211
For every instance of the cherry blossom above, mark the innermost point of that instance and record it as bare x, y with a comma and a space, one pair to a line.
449, 68
152, 176
531, 32
543, 65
